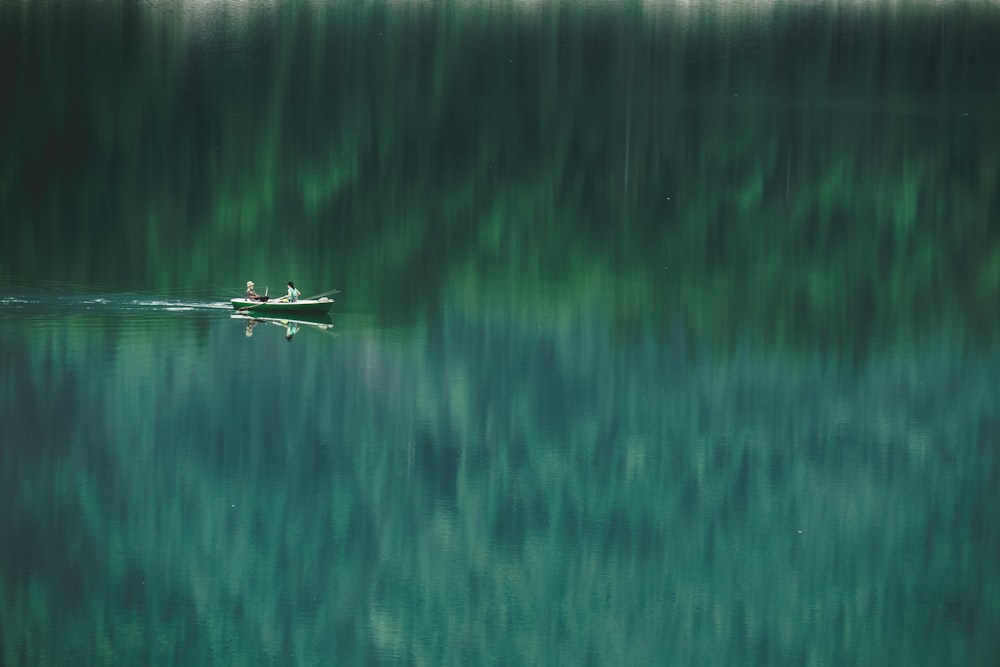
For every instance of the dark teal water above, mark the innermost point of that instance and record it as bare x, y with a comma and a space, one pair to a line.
504, 485
667, 334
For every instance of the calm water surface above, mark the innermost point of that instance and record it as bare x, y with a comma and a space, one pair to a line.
668, 334
498, 487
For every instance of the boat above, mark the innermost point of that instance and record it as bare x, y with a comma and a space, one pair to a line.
302, 306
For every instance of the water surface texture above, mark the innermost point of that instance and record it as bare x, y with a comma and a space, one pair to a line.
667, 333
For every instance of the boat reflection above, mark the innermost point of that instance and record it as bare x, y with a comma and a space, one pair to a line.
291, 326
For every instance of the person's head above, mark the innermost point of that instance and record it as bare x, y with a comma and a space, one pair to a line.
249, 284
291, 284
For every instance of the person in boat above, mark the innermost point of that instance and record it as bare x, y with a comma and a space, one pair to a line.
252, 294
293, 294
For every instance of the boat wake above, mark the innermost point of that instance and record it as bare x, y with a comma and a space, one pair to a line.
65, 303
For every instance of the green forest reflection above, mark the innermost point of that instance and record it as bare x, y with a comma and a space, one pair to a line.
792, 173
634, 293
488, 490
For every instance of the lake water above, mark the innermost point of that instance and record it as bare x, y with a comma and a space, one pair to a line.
665, 334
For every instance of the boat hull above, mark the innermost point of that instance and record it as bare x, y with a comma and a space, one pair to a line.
304, 306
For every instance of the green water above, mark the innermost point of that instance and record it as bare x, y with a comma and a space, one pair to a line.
667, 334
